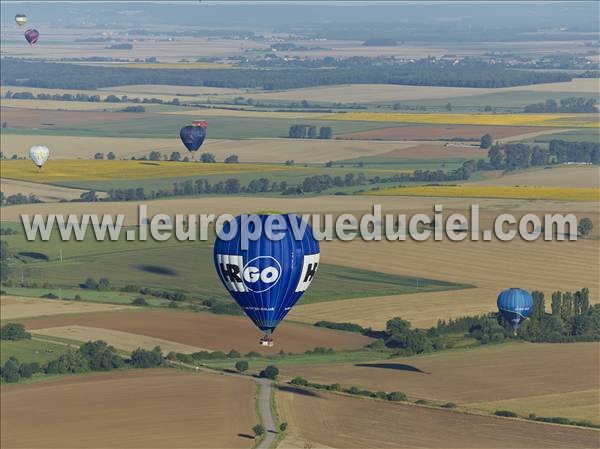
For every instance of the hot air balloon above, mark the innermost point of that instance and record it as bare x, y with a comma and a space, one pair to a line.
515, 306
193, 135
39, 155
32, 36
270, 276
21, 19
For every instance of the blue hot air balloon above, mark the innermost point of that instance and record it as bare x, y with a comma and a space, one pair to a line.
268, 277
193, 135
515, 306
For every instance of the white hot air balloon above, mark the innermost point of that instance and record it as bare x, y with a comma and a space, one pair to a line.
21, 19
39, 155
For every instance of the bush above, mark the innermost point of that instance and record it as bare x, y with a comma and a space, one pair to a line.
299, 381
283, 426
14, 331
396, 396
449, 405
233, 354
421, 402
139, 301
241, 366
258, 430
49, 296
506, 413
26, 370
10, 371
173, 305
141, 358
270, 372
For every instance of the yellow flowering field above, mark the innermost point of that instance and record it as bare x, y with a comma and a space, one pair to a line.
513, 192
556, 120
79, 169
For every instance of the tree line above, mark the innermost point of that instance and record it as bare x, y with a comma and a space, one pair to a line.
426, 72
89, 98
309, 132
514, 156
571, 104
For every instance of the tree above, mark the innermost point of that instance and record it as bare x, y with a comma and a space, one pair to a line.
111, 156
283, 426
175, 156
556, 303
232, 159
139, 301
270, 372
103, 284
241, 366
14, 331
99, 156
585, 226
4, 250
325, 132
258, 430
397, 326
10, 371
207, 158
396, 396
486, 141
154, 156
448, 107
141, 358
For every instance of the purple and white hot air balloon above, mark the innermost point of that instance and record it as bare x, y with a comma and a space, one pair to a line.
32, 36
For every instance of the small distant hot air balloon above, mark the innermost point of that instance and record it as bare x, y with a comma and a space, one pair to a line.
515, 306
21, 19
32, 36
193, 135
270, 276
39, 155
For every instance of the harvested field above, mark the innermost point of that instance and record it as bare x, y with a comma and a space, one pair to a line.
496, 191
48, 119
15, 307
480, 378
56, 170
561, 176
51, 106
130, 409
63, 147
430, 151
43, 192
333, 421
121, 340
166, 89
206, 330
443, 132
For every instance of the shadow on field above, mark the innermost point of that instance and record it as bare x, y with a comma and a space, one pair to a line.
295, 390
155, 269
245, 435
32, 255
396, 366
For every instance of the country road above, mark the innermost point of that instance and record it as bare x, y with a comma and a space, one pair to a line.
265, 391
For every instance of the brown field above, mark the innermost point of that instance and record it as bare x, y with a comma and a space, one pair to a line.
441, 132
15, 307
562, 176
130, 409
205, 330
484, 378
44, 192
332, 421
434, 151
124, 341
47, 119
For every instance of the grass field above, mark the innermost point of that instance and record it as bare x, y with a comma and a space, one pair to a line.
134, 408
562, 176
28, 351
359, 423
558, 120
13, 307
483, 378
57, 170
42, 191
496, 191
205, 330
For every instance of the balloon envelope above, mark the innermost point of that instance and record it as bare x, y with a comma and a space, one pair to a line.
515, 305
32, 36
39, 155
270, 276
21, 19
193, 135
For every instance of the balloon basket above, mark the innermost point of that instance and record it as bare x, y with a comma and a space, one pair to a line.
267, 340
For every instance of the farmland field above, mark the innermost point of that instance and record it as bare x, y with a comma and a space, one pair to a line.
360, 423
31, 350
43, 192
482, 378
19, 307
128, 409
565, 176
70, 170
496, 191
206, 330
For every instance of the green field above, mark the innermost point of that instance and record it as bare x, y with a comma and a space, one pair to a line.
27, 351
182, 266
580, 135
168, 125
